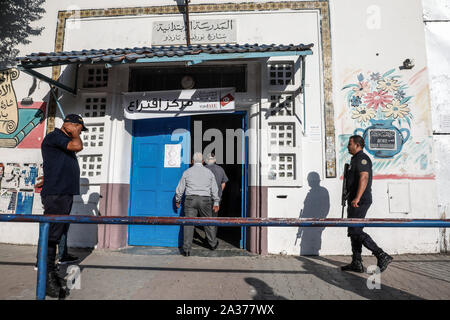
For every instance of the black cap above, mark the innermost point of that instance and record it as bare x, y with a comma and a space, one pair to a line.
75, 119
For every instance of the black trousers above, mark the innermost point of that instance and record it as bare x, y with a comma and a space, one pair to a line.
56, 205
357, 236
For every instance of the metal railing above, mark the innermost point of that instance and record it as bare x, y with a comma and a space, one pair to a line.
45, 221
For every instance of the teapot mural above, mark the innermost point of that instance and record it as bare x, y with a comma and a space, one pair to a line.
379, 104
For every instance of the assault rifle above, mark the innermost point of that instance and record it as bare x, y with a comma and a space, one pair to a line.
344, 189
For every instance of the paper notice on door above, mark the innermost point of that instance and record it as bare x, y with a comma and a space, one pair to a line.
172, 155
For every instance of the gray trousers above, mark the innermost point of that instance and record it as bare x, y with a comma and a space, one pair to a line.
198, 206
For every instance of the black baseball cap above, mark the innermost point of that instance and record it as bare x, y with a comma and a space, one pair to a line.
75, 119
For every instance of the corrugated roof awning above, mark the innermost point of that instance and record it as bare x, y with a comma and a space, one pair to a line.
192, 54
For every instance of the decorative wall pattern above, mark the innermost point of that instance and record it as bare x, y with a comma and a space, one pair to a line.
379, 105
387, 110
17, 123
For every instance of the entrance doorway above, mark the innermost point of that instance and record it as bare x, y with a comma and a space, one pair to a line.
224, 135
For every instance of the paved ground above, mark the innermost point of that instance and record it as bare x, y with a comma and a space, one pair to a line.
141, 273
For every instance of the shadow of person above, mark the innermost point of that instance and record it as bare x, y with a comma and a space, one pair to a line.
329, 271
316, 205
84, 235
263, 291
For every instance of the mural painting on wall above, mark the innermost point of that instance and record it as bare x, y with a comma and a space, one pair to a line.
21, 124
17, 187
381, 108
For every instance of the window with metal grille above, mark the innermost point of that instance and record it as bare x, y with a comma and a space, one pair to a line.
281, 73
282, 104
169, 78
91, 165
95, 78
282, 134
94, 107
94, 137
282, 166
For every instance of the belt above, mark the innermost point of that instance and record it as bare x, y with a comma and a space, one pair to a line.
194, 195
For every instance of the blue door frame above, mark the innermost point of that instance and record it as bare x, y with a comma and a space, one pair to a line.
244, 184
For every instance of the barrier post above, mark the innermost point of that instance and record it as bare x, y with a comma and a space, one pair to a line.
42, 261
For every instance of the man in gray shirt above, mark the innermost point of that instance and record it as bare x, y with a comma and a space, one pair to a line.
221, 179
219, 173
201, 190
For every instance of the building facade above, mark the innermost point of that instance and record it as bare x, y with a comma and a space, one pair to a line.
282, 143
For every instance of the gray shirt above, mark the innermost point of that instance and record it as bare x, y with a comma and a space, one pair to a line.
198, 181
219, 173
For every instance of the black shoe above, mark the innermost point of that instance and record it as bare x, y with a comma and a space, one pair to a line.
186, 253
68, 258
355, 266
215, 247
53, 287
383, 261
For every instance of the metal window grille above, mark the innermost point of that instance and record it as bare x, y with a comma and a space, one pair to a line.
95, 135
282, 105
94, 107
95, 78
91, 165
282, 166
281, 73
282, 134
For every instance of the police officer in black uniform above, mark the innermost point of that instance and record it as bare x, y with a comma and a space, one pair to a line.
359, 186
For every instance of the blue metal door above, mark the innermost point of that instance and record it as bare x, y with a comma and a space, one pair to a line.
152, 188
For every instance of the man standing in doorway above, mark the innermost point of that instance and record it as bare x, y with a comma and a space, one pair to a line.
201, 190
61, 183
221, 179
359, 186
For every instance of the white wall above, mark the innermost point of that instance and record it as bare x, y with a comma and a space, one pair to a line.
370, 36
437, 32
357, 37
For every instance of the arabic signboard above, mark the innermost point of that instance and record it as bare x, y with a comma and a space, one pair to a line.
177, 103
201, 32
382, 139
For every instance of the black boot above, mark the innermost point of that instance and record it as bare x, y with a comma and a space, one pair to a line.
53, 287
383, 260
355, 266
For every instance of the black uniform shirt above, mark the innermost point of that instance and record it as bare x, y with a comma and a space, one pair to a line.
360, 162
61, 169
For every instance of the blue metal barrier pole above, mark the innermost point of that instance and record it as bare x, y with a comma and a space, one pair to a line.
42, 261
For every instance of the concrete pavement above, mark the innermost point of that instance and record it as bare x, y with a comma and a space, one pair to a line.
161, 273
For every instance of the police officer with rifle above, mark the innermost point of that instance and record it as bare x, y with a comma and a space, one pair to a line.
358, 184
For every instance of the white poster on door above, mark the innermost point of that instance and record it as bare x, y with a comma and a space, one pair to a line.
172, 155
177, 103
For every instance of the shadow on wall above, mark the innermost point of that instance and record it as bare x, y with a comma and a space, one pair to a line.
84, 235
316, 205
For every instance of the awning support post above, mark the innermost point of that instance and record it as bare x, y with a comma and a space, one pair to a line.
57, 102
48, 80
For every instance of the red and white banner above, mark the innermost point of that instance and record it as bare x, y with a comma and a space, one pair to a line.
177, 103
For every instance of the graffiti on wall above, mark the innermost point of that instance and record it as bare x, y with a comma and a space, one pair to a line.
381, 107
17, 123
17, 187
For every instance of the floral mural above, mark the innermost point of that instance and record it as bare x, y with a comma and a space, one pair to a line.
379, 97
390, 112
380, 106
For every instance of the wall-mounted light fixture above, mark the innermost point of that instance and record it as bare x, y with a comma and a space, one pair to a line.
407, 64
